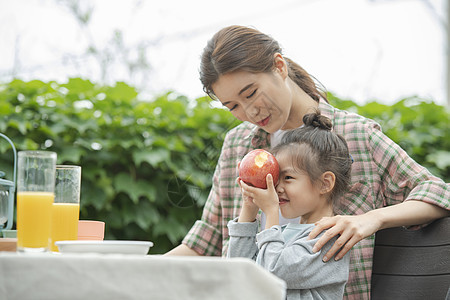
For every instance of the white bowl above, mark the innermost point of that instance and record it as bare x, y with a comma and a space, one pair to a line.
122, 247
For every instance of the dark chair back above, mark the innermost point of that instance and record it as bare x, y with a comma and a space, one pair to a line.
412, 264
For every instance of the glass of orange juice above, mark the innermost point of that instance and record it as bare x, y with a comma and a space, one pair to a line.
35, 196
66, 208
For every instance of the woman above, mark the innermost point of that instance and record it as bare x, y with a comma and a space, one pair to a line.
246, 70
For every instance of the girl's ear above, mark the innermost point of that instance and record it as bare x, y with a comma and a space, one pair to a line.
280, 65
328, 181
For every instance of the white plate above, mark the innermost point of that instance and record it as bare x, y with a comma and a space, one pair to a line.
122, 247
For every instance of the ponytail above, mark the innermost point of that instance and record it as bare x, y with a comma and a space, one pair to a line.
304, 80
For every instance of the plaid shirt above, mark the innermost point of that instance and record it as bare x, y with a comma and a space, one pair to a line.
382, 175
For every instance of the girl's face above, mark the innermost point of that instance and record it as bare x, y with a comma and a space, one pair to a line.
298, 196
263, 99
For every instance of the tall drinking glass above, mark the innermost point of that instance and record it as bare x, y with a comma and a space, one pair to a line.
66, 208
35, 196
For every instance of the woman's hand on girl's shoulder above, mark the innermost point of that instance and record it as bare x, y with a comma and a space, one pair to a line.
351, 229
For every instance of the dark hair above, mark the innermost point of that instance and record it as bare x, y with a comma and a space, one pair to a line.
242, 48
315, 149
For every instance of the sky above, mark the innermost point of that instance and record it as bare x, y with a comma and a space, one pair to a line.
361, 50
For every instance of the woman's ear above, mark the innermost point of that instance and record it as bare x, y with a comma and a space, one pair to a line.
281, 65
328, 181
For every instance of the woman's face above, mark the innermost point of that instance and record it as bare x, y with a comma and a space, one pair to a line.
263, 99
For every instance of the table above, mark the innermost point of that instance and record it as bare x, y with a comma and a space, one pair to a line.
118, 276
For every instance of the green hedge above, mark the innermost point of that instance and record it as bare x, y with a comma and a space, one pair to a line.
420, 127
147, 165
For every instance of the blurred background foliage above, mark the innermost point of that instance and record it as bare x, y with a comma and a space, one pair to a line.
419, 126
147, 165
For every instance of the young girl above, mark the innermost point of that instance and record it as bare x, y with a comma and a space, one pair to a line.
314, 172
246, 70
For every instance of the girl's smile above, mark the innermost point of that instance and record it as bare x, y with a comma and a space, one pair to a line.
283, 201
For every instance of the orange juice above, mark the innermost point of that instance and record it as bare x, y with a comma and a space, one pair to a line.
34, 211
64, 222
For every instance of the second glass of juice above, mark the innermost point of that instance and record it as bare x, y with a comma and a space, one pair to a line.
66, 207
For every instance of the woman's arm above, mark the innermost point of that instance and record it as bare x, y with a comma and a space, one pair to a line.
353, 229
409, 193
182, 250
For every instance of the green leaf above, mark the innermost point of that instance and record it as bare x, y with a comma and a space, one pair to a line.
441, 158
20, 125
146, 215
134, 189
152, 157
70, 154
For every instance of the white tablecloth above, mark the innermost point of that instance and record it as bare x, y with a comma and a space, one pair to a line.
114, 276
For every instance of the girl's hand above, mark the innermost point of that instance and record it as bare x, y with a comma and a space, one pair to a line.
351, 229
249, 210
246, 196
265, 199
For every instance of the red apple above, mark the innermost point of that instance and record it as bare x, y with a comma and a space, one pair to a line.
255, 166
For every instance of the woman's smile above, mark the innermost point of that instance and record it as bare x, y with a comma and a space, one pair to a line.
263, 122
